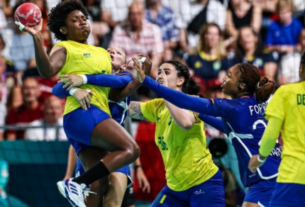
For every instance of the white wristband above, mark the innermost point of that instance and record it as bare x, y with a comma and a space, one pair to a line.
85, 79
260, 160
72, 91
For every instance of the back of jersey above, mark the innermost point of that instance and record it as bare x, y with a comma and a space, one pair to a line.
288, 104
245, 124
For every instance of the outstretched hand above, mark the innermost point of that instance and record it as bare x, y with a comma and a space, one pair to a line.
71, 81
138, 67
146, 65
31, 30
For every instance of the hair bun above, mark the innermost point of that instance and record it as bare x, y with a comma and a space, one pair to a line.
264, 89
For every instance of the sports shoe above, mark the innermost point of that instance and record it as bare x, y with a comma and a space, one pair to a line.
73, 192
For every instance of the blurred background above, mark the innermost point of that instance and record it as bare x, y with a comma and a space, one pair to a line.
209, 36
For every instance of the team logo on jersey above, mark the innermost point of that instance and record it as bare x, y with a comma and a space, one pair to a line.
162, 143
87, 55
103, 71
170, 120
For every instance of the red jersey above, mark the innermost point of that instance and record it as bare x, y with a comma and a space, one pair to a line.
22, 116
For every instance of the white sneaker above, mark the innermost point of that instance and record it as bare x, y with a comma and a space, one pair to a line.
73, 192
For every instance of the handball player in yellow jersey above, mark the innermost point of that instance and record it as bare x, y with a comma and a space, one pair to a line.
286, 114
192, 178
94, 127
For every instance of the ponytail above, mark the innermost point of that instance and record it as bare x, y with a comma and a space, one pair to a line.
191, 87
264, 89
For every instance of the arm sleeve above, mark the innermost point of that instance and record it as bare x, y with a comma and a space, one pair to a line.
149, 109
212, 121
214, 107
111, 81
59, 91
270, 136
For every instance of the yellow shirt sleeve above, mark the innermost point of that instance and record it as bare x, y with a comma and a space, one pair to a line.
276, 107
149, 109
270, 136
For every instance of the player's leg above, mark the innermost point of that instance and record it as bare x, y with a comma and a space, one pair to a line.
168, 198
91, 155
209, 194
117, 187
259, 194
97, 129
129, 197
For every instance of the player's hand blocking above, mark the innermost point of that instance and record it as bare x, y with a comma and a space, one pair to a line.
83, 96
138, 67
71, 81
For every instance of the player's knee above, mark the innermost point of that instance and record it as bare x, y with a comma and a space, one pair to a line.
133, 152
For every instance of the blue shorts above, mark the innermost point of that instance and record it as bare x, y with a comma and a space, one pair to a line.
208, 194
288, 195
79, 124
79, 170
260, 192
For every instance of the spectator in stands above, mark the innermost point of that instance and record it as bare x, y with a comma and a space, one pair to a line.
283, 34
206, 60
30, 110
163, 16
249, 49
51, 124
22, 51
3, 94
290, 64
242, 13
136, 36
191, 17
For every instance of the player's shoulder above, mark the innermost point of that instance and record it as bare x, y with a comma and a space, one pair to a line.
156, 103
290, 88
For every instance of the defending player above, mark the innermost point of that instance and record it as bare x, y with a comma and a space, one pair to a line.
286, 114
192, 178
241, 119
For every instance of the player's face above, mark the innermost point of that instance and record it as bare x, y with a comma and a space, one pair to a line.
173, 81
30, 90
77, 27
117, 56
231, 81
247, 39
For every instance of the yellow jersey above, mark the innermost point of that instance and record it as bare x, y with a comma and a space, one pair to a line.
288, 104
84, 59
186, 158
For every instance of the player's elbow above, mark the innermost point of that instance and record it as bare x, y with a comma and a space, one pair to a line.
186, 125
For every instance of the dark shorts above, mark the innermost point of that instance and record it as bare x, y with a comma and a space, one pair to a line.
208, 194
260, 192
288, 195
79, 124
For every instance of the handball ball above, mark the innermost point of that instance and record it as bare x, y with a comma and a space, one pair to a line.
28, 14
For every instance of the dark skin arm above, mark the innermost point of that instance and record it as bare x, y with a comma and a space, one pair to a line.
48, 66
117, 94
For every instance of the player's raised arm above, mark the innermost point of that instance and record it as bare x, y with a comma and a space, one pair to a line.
47, 66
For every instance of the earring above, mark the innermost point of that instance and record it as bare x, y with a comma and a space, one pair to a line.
60, 30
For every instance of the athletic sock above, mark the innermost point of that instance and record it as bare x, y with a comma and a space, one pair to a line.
98, 171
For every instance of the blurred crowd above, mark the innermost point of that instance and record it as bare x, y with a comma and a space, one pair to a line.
209, 36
